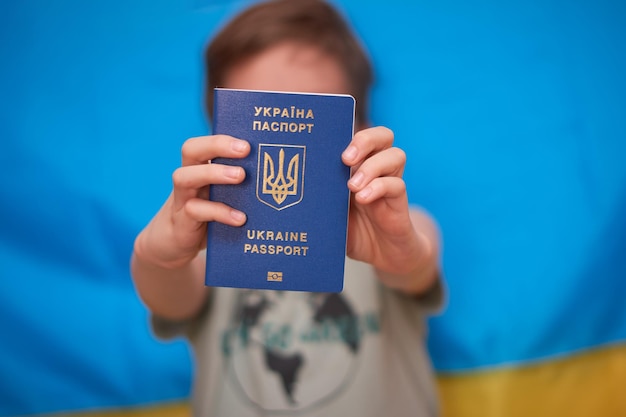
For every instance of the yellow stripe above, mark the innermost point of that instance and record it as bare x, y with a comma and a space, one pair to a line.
161, 410
582, 385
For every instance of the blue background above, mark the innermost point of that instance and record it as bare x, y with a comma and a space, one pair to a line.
513, 117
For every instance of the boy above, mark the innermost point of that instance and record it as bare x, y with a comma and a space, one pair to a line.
360, 352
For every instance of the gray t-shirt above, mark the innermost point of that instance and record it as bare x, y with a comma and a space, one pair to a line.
269, 353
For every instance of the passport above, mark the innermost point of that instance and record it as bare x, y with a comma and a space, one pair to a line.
295, 194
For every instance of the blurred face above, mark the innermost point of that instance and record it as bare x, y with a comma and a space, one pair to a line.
289, 66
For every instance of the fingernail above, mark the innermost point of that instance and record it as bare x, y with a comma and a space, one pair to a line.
238, 216
357, 179
239, 145
350, 153
233, 172
365, 193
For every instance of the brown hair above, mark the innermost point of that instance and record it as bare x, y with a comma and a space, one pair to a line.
313, 22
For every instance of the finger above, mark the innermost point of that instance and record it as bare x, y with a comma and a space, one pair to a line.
189, 180
201, 149
197, 176
202, 210
367, 142
391, 188
388, 163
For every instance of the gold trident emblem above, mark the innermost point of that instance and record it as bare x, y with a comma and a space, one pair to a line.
277, 185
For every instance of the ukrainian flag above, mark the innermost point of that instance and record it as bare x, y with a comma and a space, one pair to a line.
518, 146
513, 116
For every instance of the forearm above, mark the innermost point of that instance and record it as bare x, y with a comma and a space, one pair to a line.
173, 293
416, 281
420, 267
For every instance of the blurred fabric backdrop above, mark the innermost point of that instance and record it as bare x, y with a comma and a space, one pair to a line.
513, 115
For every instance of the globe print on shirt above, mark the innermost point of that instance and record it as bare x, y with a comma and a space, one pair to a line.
290, 351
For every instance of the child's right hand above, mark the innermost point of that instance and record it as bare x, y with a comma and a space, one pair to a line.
178, 231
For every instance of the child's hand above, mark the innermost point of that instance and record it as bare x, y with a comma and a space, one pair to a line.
178, 231
382, 231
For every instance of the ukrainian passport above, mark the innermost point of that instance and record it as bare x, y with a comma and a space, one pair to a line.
295, 194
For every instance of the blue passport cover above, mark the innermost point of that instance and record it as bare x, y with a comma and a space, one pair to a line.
295, 193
